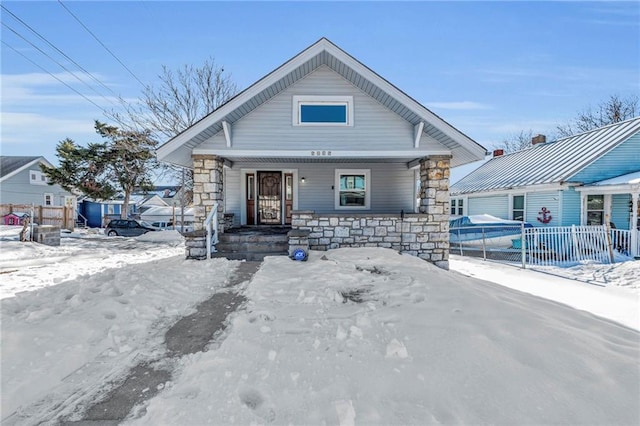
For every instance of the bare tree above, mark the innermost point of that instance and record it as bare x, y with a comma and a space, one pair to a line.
517, 142
612, 110
180, 99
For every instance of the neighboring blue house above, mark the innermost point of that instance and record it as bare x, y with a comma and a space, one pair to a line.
99, 213
586, 179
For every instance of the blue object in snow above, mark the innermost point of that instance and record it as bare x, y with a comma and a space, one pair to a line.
299, 254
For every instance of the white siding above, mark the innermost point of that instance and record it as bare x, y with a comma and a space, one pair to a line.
270, 126
495, 205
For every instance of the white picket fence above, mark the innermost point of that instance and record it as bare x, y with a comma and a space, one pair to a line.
571, 244
548, 246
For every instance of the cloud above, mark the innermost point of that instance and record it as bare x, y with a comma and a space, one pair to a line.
37, 134
41, 89
460, 105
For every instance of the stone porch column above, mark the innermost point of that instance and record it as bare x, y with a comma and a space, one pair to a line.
207, 189
434, 202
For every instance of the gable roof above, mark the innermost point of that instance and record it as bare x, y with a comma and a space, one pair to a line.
323, 52
549, 163
12, 165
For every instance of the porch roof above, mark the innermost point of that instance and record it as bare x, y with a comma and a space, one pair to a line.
625, 184
463, 149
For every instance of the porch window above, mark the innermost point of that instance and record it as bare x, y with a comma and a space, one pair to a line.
595, 209
353, 189
323, 110
517, 211
457, 206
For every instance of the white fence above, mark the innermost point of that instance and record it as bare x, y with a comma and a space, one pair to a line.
546, 246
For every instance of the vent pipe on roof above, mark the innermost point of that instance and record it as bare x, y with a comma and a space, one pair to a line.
537, 139
498, 152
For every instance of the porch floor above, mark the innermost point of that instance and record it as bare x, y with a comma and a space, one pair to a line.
258, 230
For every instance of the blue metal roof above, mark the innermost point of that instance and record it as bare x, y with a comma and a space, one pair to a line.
552, 162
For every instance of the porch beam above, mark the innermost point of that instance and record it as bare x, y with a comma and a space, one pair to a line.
417, 134
319, 153
227, 132
414, 163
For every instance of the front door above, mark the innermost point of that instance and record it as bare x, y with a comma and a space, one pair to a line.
269, 198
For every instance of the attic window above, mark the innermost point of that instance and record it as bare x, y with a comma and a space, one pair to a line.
323, 110
36, 177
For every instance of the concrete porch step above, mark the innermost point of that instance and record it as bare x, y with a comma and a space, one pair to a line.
252, 244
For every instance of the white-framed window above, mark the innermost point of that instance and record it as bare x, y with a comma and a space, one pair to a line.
517, 207
595, 209
322, 110
353, 189
69, 201
457, 207
36, 177
48, 199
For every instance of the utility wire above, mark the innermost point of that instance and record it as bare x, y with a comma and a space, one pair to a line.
61, 52
54, 60
101, 43
52, 75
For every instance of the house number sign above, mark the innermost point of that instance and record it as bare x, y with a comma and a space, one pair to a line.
320, 153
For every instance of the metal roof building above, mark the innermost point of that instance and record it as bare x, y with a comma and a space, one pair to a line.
558, 162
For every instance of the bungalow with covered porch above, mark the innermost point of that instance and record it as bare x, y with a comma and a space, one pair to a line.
326, 146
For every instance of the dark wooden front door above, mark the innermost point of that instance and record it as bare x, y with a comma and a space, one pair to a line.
269, 198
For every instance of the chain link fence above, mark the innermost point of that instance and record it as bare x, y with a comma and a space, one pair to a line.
548, 246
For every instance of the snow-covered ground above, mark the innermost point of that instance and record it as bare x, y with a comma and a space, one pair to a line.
362, 336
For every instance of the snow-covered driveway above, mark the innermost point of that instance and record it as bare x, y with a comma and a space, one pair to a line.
354, 334
372, 336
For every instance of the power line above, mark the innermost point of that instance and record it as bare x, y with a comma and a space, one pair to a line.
52, 59
61, 52
52, 75
101, 43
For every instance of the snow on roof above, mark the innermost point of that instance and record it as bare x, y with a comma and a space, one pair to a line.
628, 179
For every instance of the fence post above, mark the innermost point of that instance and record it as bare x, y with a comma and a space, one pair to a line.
607, 231
574, 238
484, 246
523, 243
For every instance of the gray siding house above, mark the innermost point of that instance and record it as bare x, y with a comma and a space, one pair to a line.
22, 182
586, 179
325, 144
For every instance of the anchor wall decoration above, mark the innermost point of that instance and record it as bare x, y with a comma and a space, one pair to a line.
544, 215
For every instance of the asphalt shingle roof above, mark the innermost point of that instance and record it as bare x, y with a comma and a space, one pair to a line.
9, 164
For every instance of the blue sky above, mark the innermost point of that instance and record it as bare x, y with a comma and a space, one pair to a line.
491, 69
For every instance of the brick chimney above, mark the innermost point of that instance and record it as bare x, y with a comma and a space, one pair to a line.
498, 152
538, 139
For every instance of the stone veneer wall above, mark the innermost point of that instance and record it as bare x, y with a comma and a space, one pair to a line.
415, 234
207, 189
